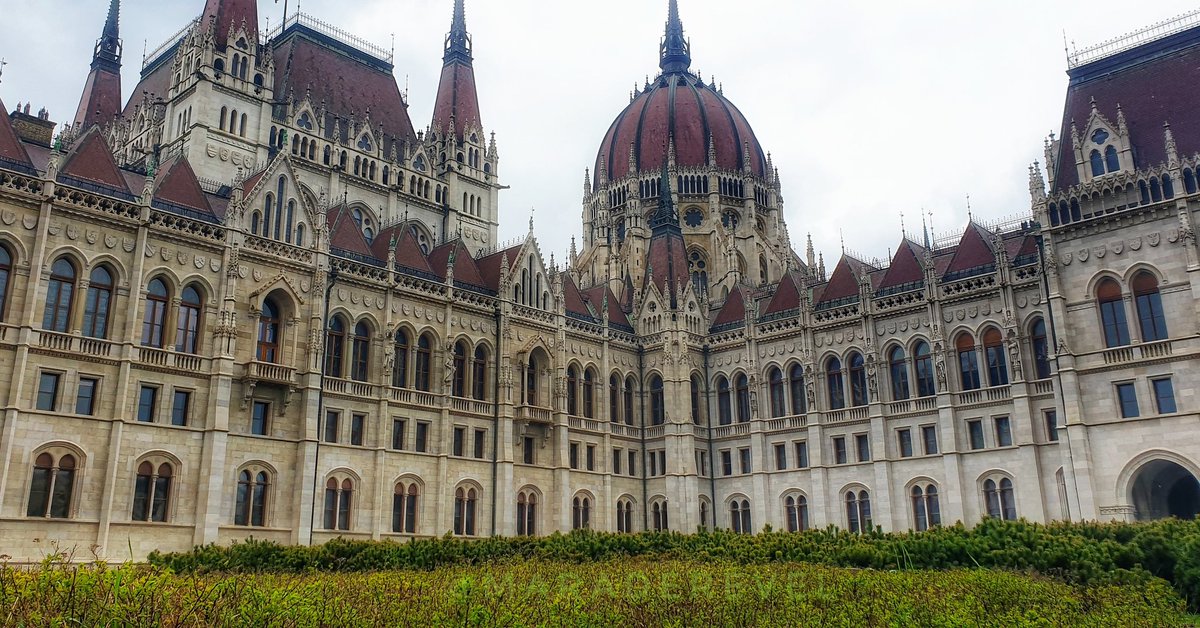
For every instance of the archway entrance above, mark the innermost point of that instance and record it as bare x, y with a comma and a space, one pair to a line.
1164, 489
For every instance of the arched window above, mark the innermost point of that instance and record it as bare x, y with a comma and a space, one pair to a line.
614, 398
630, 388
464, 511
658, 516
423, 363
268, 332
5, 273
152, 492
531, 376
858, 511
923, 365
927, 513
1097, 164
795, 509
52, 486
796, 389
1112, 313
96, 306
1151, 319
833, 379
858, 380
999, 499
187, 327
60, 294
658, 412
404, 507
335, 347
697, 400
339, 498
968, 362
573, 390
361, 352
479, 373
458, 381
724, 403
400, 360
581, 513
527, 513
742, 387
997, 359
739, 515
624, 516
589, 393
1041, 349
288, 224
1111, 160
778, 394
224, 110
898, 367
156, 314
251, 502
1189, 181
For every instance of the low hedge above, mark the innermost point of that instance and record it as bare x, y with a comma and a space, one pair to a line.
633, 592
1076, 553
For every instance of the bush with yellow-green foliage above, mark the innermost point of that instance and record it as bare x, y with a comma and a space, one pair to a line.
631, 592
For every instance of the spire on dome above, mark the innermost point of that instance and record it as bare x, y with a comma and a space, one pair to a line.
675, 53
101, 100
665, 218
458, 40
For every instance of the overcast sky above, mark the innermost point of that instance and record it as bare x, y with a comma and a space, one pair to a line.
870, 109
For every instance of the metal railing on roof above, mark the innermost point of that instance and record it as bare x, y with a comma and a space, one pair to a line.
1132, 40
966, 273
97, 188
357, 257
332, 32
17, 166
186, 212
169, 44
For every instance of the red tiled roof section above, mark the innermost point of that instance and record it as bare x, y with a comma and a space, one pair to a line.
11, 147
906, 266
787, 295
734, 309
1160, 89
92, 160
595, 297
974, 250
344, 233
101, 101
677, 105
231, 14
575, 302
252, 181
489, 266
157, 83
666, 263
408, 250
465, 269
457, 98
843, 283
177, 184
347, 87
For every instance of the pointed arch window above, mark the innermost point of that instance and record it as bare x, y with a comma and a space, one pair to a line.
405, 498
1112, 313
657, 401
581, 513
527, 513
858, 380
999, 499
624, 516
268, 332
458, 382
836, 388
531, 376
589, 393
697, 400
927, 512
739, 515
742, 385
1097, 162
187, 327
923, 365
968, 362
6, 264
1041, 349
1151, 319
479, 373
777, 392
1111, 160
152, 492
251, 499
60, 296
658, 516
52, 486
464, 511
156, 314
724, 402
997, 358
573, 390
898, 367
335, 347
630, 388
360, 361
400, 360
795, 509
614, 398
339, 498
858, 512
423, 363
796, 389
96, 306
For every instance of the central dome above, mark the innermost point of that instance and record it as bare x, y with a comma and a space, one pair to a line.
679, 105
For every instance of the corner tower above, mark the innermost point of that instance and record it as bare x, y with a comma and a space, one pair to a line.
101, 100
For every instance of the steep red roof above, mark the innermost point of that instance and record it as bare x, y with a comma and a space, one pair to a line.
408, 250
230, 15
843, 283
489, 266
156, 83
101, 100
575, 302
666, 263
1153, 83
177, 184
734, 309
348, 86
465, 269
906, 266
11, 147
344, 233
457, 98
974, 250
91, 159
1020, 245
253, 180
595, 297
787, 295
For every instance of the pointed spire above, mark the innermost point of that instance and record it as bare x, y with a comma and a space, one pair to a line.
665, 219
1169, 142
458, 40
101, 99
675, 53
110, 40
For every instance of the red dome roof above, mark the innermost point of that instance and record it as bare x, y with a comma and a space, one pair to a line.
682, 106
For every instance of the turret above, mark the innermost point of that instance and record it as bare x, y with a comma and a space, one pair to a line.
457, 98
101, 100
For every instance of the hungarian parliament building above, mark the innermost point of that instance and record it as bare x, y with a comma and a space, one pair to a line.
254, 300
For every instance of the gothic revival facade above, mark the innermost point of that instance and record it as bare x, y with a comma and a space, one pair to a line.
254, 301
